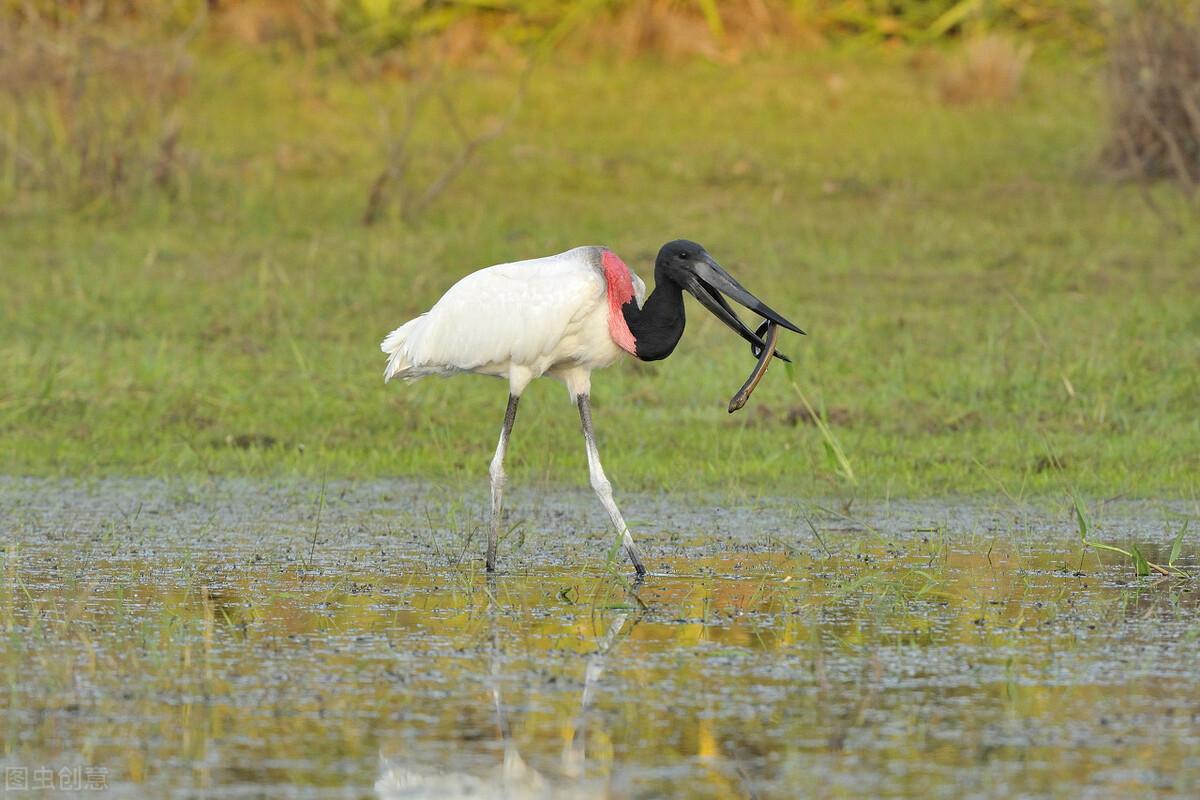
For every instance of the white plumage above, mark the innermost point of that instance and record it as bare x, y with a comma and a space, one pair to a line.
519, 320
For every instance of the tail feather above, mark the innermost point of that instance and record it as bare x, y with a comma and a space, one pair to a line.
394, 345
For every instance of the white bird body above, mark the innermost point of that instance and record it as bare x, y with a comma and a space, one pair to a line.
519, 320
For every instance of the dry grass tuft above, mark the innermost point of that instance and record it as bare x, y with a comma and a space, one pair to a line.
1154, 87
298, 22
989, 69
86, 113
673, 29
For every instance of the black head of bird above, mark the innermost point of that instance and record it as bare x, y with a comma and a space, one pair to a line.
683, 264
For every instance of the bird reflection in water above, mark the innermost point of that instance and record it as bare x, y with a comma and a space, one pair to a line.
514, 779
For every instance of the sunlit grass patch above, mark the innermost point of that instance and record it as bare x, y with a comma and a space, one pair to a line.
970, 291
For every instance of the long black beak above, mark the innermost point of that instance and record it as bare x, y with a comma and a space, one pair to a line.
711, 280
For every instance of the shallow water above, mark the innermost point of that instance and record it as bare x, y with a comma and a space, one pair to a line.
241, 639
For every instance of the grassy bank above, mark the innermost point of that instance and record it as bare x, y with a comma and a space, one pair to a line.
985, 312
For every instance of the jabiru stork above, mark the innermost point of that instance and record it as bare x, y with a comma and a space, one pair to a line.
564, 316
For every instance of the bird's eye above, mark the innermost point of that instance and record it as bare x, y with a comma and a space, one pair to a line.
683, 255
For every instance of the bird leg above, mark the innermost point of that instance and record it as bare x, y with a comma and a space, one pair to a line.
601, 485
496, 473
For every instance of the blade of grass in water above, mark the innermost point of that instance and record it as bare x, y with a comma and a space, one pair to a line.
833, 448
1177, 545
1141, 565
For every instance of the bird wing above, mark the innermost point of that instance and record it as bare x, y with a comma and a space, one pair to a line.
514, 312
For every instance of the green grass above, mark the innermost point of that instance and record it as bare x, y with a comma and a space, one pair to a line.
986, 313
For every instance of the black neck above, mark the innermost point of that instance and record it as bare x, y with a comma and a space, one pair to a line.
657, 325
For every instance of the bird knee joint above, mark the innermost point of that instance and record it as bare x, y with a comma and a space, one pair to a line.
602, 487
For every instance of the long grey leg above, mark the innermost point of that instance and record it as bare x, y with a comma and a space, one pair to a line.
496, 473
601, 485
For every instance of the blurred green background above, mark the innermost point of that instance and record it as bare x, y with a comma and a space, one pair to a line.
211, 212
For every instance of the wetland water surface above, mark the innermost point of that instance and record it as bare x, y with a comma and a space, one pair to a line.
240, 639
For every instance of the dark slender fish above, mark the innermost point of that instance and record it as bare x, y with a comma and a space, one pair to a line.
764, 358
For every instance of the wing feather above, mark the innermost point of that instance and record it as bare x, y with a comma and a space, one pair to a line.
515, 312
